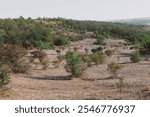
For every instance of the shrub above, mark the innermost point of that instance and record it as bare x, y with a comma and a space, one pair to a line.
4, 75
135, 57
73, 64
86, 59
13, 55
147, 46
2, 34
99, 49
100, 39
137, 45
38, 54
45, 63
97, 58
57, 61
108, 52
20, 67
42, 56
114, 68
60, 41
46, 46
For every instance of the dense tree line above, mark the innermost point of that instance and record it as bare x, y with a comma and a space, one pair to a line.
26, 32
38, 33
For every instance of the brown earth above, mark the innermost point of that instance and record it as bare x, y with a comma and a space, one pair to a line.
55, 83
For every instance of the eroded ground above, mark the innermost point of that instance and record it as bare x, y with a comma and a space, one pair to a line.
55, 83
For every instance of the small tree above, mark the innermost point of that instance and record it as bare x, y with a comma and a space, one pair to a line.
73, 64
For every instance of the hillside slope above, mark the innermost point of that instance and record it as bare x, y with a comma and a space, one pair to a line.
135, 21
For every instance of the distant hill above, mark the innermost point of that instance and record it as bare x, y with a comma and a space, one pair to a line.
135, 21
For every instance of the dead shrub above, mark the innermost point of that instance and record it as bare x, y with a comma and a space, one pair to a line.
45, 64
86, 59
42, 56
114, 68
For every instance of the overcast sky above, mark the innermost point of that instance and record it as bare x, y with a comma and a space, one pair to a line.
76, 9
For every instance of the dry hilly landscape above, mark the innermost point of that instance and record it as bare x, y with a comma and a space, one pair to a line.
54, 82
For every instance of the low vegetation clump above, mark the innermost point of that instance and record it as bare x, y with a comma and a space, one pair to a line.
86, 59
42, 56
97, 58
147, 46
99, 49
73, 64
58, 60
45, 63
136, 57
14, 56
60, 41
100, 40
109, 53
4, 75
114, 68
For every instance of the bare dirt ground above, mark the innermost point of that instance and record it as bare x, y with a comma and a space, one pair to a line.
50, 83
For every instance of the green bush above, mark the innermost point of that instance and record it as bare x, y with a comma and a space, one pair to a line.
4, 76
60, 41
73, 64
100, 39
136, 57
97, 58
46, 46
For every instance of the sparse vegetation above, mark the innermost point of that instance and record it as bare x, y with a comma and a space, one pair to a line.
60, 41
97, 58
114, 68
4, 75
42, 56
135, 57
45, 63
73, 64
14, 57
109, 53
100, 40
21, 38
